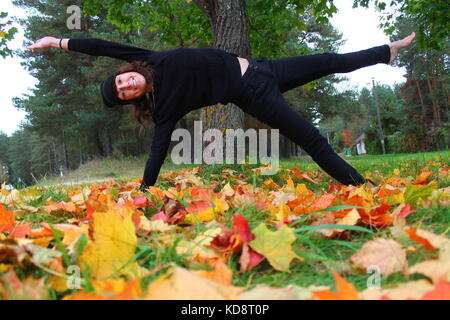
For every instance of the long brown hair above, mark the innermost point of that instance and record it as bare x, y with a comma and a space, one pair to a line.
143, 106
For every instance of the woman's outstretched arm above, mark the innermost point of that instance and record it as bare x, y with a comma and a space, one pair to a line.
160, 146
49, 42
93, 47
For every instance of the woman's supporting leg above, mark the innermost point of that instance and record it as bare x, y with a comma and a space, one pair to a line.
296, 71
276, 112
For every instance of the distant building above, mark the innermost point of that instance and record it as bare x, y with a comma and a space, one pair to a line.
360, 146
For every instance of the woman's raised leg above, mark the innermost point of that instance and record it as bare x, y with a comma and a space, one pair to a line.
296, 71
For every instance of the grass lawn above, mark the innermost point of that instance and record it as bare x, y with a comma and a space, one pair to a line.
320, 254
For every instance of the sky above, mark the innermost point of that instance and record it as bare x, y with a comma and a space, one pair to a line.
359, 28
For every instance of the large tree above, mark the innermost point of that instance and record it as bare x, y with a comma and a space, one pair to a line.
234, 25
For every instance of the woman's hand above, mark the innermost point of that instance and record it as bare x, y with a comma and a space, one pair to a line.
45, 43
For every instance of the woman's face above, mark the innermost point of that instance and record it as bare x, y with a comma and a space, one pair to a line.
130, 85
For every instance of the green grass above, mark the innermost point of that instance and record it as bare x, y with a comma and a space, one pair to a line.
133, 168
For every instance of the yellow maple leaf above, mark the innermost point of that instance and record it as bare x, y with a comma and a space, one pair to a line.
197, 248
280, 213
113, 243
275, 246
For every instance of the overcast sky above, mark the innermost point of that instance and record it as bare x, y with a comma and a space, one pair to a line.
359, 28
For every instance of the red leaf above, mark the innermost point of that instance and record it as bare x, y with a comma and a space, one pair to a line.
160, 216
21, 231
249, 258
241, 227
406, 211
334, 187
141, 202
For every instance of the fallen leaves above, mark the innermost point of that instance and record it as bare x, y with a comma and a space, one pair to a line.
12, 288
219, 233
385, 254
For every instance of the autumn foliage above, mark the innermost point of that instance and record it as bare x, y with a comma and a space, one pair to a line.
96, 243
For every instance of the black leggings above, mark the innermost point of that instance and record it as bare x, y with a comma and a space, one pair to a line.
261, 96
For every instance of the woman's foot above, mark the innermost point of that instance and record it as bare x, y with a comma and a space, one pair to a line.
400, 44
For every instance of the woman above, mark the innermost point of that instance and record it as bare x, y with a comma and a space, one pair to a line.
167, 85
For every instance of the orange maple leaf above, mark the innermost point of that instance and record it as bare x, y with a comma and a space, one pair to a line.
323, 202
416, 238
344, 290
6, 219
377, 216
423, 176
440, 292
111, 289
56, 206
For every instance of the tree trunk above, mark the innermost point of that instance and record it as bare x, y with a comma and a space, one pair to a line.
422, 104
98, 142
55, 159
436, 113
108, 142
229, 22
66, 157
442, 74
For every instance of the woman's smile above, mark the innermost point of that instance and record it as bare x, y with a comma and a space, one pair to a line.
130, 85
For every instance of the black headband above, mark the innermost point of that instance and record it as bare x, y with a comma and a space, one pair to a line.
109, 93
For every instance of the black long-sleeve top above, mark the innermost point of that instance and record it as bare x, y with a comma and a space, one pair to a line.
185, 80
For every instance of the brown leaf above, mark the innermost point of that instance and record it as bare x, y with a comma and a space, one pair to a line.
387, 255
